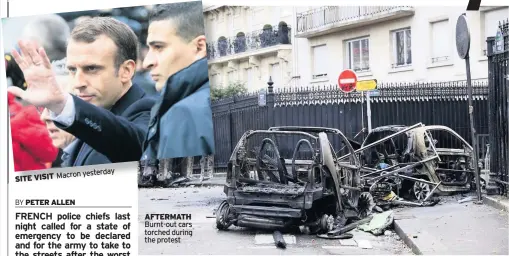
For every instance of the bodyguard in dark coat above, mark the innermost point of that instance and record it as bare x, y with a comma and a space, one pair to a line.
181, 121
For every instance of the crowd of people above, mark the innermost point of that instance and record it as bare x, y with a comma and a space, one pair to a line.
102, 96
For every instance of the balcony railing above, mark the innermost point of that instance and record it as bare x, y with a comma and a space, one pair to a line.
246, 42
323, 16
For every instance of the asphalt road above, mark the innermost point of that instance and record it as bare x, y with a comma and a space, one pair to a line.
206, 239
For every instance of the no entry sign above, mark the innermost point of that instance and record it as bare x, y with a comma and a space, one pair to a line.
347, 81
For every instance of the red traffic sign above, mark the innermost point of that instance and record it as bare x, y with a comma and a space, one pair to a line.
347, 81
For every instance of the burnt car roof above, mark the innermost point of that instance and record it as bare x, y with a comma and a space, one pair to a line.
313, 129
305, 129
393, 128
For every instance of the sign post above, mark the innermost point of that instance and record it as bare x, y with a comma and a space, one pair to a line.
347, 81
367, 86
463, 48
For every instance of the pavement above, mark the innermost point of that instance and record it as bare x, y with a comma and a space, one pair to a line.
498, 202
453, 228
206, 239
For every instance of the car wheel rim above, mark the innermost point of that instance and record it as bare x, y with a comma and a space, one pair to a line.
222, 214
421, 190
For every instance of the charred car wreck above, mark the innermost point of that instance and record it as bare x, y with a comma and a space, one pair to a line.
414, 162
288, 178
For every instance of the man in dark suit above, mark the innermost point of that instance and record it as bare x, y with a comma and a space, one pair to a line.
108, 114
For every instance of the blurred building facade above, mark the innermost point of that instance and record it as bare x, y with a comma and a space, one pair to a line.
247, 44
387, 43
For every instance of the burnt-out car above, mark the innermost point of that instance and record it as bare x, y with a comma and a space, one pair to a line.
287, 177
451, 170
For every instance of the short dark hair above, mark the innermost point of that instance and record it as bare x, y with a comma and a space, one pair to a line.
187, 18
122, 35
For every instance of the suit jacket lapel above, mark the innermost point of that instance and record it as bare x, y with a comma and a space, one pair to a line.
73, 153
85, 150
134, 93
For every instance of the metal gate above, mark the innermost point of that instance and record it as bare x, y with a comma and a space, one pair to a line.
498, 98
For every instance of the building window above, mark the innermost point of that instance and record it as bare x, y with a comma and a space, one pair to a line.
491, 19
250, 78
402, 48
440, 46
358, 54
275, 73
320, 61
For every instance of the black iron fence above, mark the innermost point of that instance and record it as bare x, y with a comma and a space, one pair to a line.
497, 52
440, 103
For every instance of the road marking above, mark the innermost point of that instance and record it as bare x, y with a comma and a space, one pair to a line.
327, 247
347, 242
364, 244
258, 247
269, 239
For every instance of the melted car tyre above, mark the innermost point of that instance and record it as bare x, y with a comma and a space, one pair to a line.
365, 205
222, 221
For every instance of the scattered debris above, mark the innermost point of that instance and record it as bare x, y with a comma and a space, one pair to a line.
350, 226
388, 233
466, 199
178, 181
339, 236
379, 223
279, 240
378, 209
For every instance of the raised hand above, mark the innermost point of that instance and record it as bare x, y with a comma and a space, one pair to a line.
42, 87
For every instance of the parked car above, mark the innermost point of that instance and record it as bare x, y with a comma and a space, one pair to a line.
286, 177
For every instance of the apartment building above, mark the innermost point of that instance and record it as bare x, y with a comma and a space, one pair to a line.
303, 46
248, 44
390, 43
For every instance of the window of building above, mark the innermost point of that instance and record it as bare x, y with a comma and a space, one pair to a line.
358, 54
440, 44
275, 73
402, 47
250, 78
320, 61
